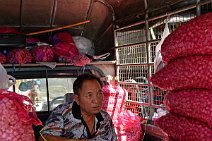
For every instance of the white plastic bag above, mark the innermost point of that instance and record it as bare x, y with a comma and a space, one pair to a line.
158, 63
84, 45
5, 81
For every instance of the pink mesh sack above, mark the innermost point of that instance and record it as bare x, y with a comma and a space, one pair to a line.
184, 129
43, 53
17, 117
8, 30
80, 60
184, 73
114, 100
193, 103
2, 58
129, 127
65, 50
62, 37
31, 40
19, 56
191, 38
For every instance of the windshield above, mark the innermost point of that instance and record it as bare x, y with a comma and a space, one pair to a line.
36, 90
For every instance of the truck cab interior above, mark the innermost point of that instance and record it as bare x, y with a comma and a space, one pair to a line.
127, 29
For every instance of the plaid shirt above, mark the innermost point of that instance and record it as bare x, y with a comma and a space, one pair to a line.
66, 121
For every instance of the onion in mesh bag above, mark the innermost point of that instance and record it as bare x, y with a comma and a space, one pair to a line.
8, 30
191, 38
194, 103
184, 73
42, 53
2, 58
62, 37
30, 40
17, 117
19, 56
114, 100
65, 50
128, 127
184, 129
81, 60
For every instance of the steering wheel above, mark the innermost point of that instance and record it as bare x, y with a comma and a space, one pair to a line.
55, 100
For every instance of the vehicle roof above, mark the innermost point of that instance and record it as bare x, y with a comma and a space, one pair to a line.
35, 15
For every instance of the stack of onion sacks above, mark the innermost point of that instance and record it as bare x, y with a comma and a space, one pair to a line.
66, 51
187, 76
126, 123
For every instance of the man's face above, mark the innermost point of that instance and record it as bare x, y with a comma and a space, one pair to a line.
90, 97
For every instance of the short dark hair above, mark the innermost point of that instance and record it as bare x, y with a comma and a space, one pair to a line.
80, 79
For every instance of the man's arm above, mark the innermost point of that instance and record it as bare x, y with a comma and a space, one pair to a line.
55, 138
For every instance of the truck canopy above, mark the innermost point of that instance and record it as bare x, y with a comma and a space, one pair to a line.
35, 15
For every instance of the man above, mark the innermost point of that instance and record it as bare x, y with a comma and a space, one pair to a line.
82, 119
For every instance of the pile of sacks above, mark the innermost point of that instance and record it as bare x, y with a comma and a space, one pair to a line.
187, 77
127, 124
17, 113
61, 47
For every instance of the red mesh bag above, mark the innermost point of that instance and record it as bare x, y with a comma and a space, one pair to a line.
8, 30
19, 56
2, 58
65, 50
17, 117
80, 60
194, 103
30, 40
184, 73
42, 53
114, 100
129, 127
69, 53
184, 129
191, 38
62, 37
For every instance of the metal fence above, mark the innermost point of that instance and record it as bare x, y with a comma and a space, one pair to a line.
135, 53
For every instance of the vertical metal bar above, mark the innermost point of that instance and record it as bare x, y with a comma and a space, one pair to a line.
147, 51
13, 74
47, 91
14, 90
116, 55
198, 8
53, 13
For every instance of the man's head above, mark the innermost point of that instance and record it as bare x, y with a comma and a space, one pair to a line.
88, 93
80, 79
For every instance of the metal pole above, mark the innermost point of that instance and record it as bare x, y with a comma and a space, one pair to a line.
116, 56
198, 8
53, 12
47, 92
147, 51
